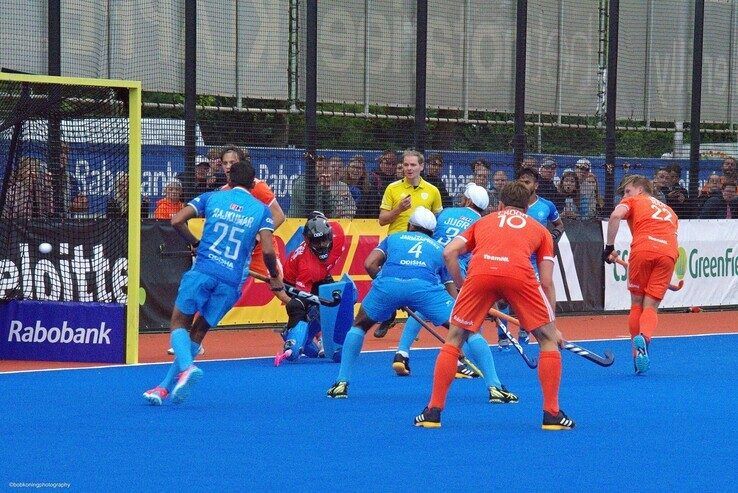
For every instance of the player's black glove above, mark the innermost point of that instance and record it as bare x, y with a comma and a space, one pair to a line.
556, 234
606, 253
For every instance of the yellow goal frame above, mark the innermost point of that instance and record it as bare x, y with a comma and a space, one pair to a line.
134, 189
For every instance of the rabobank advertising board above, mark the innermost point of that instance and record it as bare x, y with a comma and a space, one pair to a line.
62, 331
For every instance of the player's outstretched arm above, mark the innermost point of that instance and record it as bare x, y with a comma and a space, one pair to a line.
451, 258
179, 222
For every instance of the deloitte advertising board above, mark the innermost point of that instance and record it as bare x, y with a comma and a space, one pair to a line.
68, 304
708, 265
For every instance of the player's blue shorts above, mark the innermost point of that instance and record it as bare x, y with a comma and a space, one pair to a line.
389, 293
199, 292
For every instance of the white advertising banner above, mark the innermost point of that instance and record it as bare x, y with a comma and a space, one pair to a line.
708, 265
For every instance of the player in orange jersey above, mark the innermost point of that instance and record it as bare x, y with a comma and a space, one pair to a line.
653, 253
502, 244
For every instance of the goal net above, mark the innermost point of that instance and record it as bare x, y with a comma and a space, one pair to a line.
70, 206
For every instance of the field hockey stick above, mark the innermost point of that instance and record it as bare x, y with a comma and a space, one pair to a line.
173, 253
438, 336
606, 360
531, 362
302, 295
672, 287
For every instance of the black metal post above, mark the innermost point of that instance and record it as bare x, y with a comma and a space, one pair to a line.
694, 125
190, 101
311, 98
610, 112
56, 164
54, 32
421, 55
520, 55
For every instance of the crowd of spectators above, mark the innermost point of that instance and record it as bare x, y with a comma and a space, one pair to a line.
354, 188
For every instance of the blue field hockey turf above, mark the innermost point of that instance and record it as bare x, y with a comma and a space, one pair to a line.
248, 426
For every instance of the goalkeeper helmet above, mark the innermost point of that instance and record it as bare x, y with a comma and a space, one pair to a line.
318, 236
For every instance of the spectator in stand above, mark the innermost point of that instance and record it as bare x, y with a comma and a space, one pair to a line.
172, 203
399, 173
591, 204
340, 201
729, 169
298, 191
215, 159
387, 171
529, 162
364, 186
724, 206
569, 193
480, 173
118, 204
433, 169
712, 188
29, 193
660, 183
202, 182
676, 195
499, 180
546, 185
583, 168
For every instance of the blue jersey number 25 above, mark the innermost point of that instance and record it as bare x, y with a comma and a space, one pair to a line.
232, 244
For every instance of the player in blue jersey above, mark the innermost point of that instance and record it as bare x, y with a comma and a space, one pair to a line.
543, 211
408, 270
233, 220
449, 224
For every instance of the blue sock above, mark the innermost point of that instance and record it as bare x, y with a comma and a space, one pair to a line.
477, 349
409, 333
171, 376
349, 353
298, 333
182, 344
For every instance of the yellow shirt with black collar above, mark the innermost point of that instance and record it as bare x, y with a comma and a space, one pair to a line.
424, 194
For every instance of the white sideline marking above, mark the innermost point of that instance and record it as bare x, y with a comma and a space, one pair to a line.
369, 351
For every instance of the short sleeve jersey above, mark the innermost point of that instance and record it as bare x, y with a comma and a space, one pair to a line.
653, 225
425, 194
233, 218
453, 221
502, 243
303, 269
413, 255
543, 210
264, 194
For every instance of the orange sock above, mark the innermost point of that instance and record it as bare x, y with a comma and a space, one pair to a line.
649, 320
443, 374
549, 373
634, 320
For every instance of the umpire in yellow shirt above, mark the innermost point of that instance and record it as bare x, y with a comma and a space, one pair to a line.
402, 197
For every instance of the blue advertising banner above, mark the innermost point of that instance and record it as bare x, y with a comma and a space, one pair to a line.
62, 331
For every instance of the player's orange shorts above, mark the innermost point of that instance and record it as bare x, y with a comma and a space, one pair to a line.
649, 273
480, 292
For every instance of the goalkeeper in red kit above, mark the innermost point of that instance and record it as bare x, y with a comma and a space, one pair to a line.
307, 268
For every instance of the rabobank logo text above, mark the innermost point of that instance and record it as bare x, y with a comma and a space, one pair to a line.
64, 334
